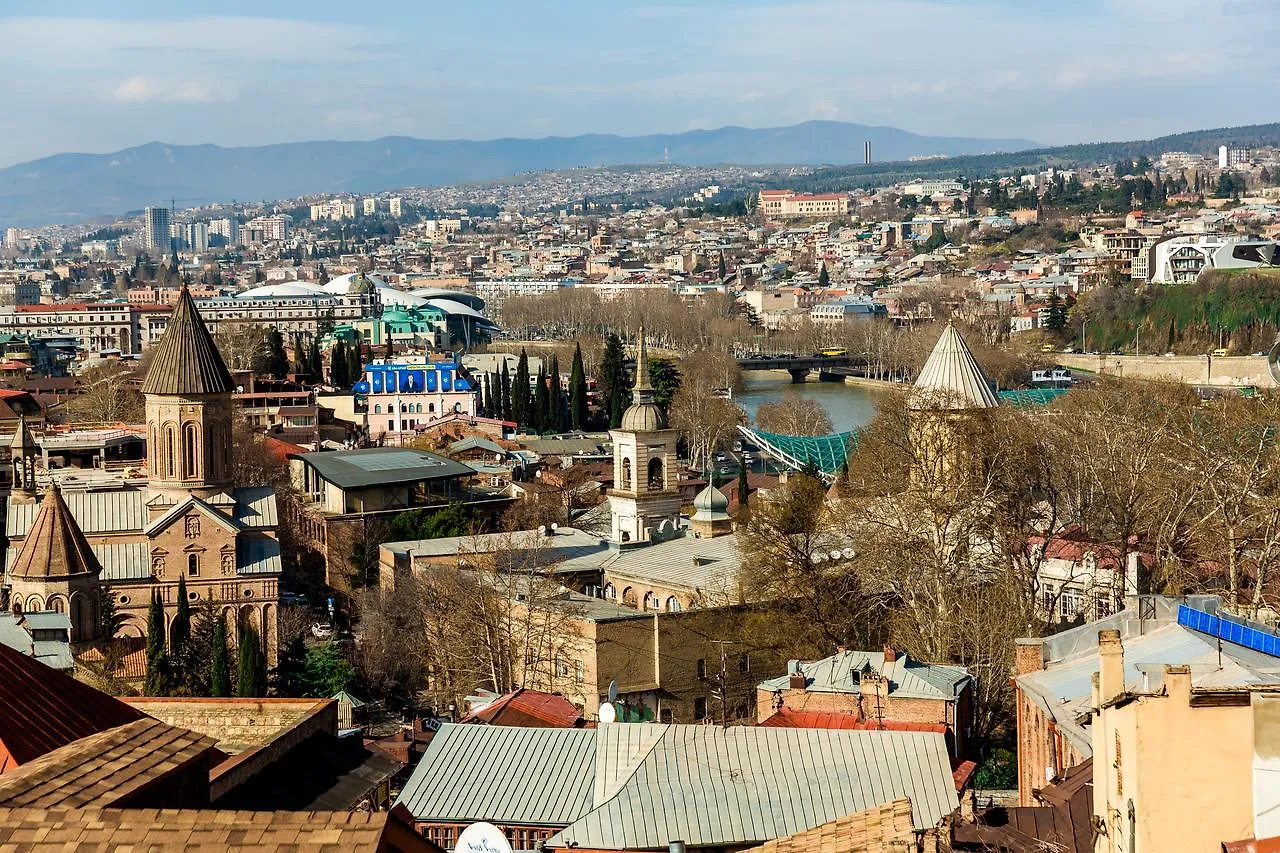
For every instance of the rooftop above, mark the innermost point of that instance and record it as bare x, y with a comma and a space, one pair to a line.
908, 679
377, 466
884, 829
951, 377
186, 360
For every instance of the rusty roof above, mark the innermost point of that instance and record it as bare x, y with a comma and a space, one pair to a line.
45, 709
187, 360
522, 707
55, 546
104, 768
34, 830
883, 829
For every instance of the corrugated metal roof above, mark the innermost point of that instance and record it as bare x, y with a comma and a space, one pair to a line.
378, 466
708, 564
722, 787
257, 555
908, 679
503, 774
124, 561
951, 377
638, 786
108, 511
256, 506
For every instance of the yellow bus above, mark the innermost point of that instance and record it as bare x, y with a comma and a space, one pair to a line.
833, 352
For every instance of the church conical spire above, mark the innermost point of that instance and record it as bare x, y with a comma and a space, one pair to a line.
55, 546
23, 441
643, 391
951, 377
187, 360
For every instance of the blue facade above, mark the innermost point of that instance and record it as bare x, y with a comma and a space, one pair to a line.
412, 379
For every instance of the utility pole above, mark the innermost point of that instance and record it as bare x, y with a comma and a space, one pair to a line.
724, 681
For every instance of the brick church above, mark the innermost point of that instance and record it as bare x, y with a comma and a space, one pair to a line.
69, 546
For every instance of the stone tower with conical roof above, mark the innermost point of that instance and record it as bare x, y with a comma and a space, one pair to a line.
188, 393
57, 570
948, 403
644, 503
23, 451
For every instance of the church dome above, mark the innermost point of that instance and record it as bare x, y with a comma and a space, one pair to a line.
711, 502
642, 417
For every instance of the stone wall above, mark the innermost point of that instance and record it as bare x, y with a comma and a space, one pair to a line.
1229, 371
239, 724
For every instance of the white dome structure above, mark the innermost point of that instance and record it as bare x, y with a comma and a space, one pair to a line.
387, 295
283, 290
454, 295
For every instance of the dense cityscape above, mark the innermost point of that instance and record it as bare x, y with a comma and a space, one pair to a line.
924, 501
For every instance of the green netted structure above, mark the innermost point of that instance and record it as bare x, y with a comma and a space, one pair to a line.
1031, 397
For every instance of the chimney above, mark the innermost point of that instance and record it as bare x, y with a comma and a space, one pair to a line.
1110, 665
1028, 655
1132, 565
890, 654
1177, 683
795, 676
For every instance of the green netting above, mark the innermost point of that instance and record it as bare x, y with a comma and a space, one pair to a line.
1031, 396
828, 452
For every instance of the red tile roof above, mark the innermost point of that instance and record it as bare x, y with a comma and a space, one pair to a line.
44, 709
787, 718
530, 709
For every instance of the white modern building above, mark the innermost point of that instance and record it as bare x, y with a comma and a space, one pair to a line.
155, 229
1181, 258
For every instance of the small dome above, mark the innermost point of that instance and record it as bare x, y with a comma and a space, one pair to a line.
642, 417
711, 499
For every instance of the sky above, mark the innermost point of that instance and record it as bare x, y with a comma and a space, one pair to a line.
95, 77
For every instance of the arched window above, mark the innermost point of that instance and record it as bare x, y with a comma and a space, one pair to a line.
629, 597
625, 485
56, 604
377, 408
651, 600
656, 481
610, 592
190, 446
431, 408
417, 408
193, 565
170, 450
673, 605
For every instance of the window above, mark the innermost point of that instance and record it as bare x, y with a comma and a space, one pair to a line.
562, 668
1070, 602
377, 408
702, 668
673, 605
1046, 598
650, 600
190, 447
744, 663
579, 672
193, 565
610, 592
666, 715
625, 485
656, 480
700, 708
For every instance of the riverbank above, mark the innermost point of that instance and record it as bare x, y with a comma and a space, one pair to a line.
1224, 371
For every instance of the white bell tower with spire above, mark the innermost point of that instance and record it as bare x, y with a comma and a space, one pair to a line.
644, 493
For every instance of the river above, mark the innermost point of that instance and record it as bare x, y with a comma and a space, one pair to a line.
848, 406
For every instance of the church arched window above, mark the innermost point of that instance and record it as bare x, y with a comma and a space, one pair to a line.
190, 452
625, 485
170, 451
656, 481
193, 565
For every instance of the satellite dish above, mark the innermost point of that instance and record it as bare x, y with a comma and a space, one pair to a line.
613, 691
608, 713
482, 837
818, 558
835, 555
849, 553
1273, 363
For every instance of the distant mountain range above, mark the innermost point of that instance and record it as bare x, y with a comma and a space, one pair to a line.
73, 187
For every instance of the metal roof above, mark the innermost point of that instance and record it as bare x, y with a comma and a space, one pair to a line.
951, 377
376, 466
55, 547
186, 360
637, 786
709, 565
504, 774
257, 555
908, 679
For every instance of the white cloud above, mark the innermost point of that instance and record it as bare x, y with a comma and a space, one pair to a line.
148, 90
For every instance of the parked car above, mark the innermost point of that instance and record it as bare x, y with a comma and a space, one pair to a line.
321, 631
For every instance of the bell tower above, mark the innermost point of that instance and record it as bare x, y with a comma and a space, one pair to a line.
644, 493
23, 451
188, 400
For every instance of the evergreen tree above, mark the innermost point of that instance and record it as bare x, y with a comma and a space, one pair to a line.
507, 413
277, 362
156, 663
612, 381
1057, 319
180, 630
299, 357
220, 667
724, 273
355, 363
541, 405
555, 397
824, 278
744, 488
520, 389
315, 362
338, 365
577, 391
251, 680
386, 332
291, 670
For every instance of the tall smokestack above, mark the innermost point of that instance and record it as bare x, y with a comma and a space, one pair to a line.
866, 152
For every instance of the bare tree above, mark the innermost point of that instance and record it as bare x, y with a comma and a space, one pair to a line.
794, 414
110, 395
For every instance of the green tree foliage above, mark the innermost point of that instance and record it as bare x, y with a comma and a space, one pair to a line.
824, 277
277, 362
427, 523
664, 376
338, 366
251, 665
156, 662
180, 628
521, 408
109, 618
326, 671
291, 668
1056, 320
577, 391
555, 398
507, 413
612, 381
541, 402
355, 363
219, 659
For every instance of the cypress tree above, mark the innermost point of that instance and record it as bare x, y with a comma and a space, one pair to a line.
220, 668
315, 361
555, 397
744, 490
495, 396
250, 668
355, 363
299, 357
578, 391
505, 392
155, 682
338, 365
180, 630
613, 378
541, 403
615, 407
277, 361
520, 389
